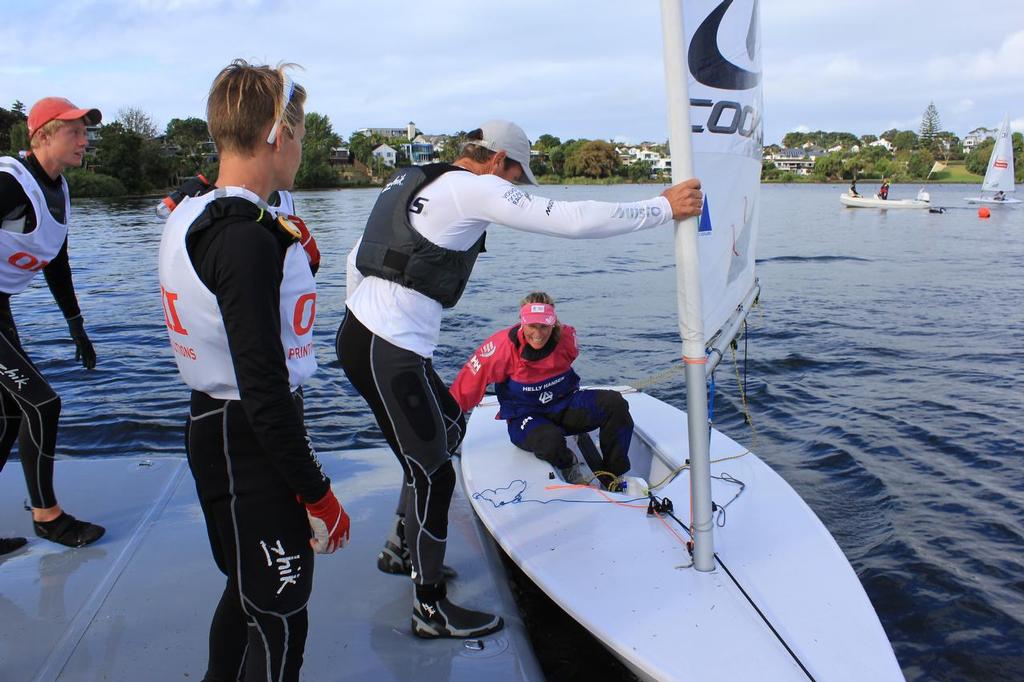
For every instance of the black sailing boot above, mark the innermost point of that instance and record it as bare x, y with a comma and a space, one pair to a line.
395, 558
8, 545
69, 531
434, 616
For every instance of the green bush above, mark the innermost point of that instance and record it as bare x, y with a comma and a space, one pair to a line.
920, 164
82, 183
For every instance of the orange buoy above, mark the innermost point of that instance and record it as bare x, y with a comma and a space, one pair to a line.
983, 212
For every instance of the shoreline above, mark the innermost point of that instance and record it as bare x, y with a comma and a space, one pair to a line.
157, 196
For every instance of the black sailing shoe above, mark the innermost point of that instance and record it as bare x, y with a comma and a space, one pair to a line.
69, 531
395, 558
434, 616
8, 545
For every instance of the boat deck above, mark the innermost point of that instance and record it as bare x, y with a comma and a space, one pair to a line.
137, 604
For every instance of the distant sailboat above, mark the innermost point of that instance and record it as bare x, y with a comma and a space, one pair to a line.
999, 176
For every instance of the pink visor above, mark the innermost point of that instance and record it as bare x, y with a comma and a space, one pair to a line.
538, 313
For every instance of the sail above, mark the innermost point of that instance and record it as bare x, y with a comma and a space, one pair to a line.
999, 176
712, 79
724, 59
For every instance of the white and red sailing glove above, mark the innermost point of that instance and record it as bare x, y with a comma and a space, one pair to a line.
329, 523
308, 242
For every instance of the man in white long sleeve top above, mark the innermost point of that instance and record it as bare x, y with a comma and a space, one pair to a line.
413, 260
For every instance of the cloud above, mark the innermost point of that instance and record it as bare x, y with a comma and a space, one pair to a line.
963, 106
999, 65
550, 66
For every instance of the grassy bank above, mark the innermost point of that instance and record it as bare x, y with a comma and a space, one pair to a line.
955, 171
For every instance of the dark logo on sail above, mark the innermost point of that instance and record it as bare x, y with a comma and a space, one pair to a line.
707, 63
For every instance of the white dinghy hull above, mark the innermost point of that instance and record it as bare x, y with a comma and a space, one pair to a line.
623, 574
991, 201
871, 202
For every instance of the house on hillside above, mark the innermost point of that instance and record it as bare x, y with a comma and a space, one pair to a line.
630, 155
419, 151
388, 155
408, 132
438, 141
976, 137
793, 160
340, 156
882, 142
92, 139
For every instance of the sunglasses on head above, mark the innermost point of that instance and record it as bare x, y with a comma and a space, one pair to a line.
289, 89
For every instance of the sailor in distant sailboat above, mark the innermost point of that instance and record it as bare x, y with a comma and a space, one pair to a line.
999, 196
539, 393
35, 210
413, 260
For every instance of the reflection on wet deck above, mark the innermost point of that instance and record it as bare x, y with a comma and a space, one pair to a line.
137, 605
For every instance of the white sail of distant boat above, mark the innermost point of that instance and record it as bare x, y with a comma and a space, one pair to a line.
766, 594
999, 176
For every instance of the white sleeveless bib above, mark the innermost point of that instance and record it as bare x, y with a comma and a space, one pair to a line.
24, 255
193, 318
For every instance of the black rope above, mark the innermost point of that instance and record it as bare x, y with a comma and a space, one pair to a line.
666, 507
746, 339
719, 509
764, 618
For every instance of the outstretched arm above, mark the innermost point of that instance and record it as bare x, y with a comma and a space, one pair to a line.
489, 364
495, 200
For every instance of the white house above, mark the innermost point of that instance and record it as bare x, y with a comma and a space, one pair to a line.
882, 142
386, 154
793, 160
976, 137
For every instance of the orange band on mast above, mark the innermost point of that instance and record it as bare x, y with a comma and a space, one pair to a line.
695, 361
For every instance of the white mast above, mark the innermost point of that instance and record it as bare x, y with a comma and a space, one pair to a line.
691, 326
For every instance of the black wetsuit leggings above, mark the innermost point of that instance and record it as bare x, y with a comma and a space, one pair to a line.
29, 411
259, 535
423, 425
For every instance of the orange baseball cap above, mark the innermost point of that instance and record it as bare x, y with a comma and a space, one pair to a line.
58, 109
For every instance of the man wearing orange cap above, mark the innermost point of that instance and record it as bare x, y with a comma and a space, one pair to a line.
35, 210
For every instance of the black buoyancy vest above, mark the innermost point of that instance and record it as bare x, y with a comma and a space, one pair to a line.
227, 210
393, 250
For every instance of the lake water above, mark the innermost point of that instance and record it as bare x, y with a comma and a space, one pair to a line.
884, 376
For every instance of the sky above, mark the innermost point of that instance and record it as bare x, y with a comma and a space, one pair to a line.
576, 68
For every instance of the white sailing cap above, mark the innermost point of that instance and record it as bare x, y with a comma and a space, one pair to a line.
510, 138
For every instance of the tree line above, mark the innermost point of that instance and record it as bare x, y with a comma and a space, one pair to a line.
133, 156
913, 158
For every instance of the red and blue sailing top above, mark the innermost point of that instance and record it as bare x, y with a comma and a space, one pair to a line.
526, 380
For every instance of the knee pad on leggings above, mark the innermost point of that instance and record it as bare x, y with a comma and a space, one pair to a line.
442, 485
455, 432
49, 412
